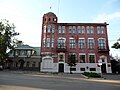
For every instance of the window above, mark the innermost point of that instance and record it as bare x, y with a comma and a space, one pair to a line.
83, 30
72, 43
49, 29
82, 58
61, 43
88, 30
92, 58
103, 30
52, 42
92, 69
81, 43
79, 30
33, 64
48, 42
98, 29
90, 43
101, 43
53, 28
28, 63
43, 42
70, 29
59, 29
44, 29
92, 30
74, 29
63, 29
82, 69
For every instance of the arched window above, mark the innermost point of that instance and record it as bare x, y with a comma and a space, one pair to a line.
102, 30
88, 29
59, 29
79, 30
48, 28
53, 28
63, 29
83, 30
74, 29
98, 29
92, 30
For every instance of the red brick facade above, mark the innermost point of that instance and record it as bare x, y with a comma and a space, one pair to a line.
77, 38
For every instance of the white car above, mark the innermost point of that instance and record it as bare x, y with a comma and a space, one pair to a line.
1, 67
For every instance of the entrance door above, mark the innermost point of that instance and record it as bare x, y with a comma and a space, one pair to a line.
103, 68
61, 67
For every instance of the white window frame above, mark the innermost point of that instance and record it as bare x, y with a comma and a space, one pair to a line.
94, 57
82, 54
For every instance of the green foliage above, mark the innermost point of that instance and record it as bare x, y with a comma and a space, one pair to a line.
7, 34
91, 74
116, 45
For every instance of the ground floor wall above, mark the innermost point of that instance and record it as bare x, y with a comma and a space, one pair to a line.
20, 63
79, 68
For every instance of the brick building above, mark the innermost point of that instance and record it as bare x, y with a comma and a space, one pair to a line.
87, 41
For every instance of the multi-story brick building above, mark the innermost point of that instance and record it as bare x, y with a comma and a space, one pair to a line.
87, 41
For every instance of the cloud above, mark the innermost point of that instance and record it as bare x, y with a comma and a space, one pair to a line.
106, 17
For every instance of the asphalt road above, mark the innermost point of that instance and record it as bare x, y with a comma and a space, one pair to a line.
20, 81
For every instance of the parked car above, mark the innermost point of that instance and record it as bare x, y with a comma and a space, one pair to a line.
1, 67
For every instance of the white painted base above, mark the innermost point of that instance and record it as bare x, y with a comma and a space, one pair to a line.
78, 67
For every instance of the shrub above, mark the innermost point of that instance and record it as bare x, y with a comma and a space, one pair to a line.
91, 74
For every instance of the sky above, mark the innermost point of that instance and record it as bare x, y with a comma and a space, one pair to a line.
27, 16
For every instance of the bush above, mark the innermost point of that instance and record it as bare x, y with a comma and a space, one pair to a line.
91, 74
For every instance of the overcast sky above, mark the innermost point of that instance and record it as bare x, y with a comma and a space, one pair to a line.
27, 16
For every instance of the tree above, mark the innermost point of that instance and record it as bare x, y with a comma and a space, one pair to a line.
116, 45
71, 61
7, 37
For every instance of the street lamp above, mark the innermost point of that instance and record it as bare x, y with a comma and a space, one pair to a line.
100, 64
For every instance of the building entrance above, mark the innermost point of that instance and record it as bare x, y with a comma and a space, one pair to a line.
61, 67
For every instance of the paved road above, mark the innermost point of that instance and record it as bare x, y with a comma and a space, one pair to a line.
20, 81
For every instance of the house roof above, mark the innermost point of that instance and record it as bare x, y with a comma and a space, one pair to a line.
24, 47
50, 14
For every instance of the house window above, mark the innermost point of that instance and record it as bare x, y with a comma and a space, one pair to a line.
82, 58
79, 30
70, 29
83, 30
92, 69
92, 58
52, 42
61, 43
33, 64
48, 42
49, 29
88, 30
74, 29
45, 29
28, 63
72, 43
53, 28
59, 29
92, 30
82, 69
90, 43
103, 30
98, 29
63, 29
43, 42
81, 43
101, 43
